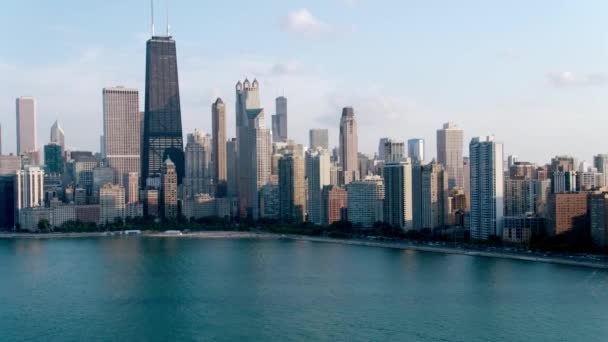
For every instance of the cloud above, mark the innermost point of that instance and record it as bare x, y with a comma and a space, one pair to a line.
564, 79
303, 22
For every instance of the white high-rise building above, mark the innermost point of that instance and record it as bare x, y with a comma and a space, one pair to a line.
121, 130
450, 140
349, 146
398, 209
29, 189
415, 150
487, 187
318, 167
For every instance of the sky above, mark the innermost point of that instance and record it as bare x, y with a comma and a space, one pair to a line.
532, 72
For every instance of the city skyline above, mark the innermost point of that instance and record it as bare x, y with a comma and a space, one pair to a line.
550, 101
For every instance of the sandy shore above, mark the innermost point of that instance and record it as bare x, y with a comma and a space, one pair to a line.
574, 261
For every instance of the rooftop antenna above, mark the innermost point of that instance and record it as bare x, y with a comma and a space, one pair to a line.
152, 13
168, 26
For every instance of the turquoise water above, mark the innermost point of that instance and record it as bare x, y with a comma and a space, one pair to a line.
147, 289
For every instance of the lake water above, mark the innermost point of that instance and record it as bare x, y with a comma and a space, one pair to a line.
155, 289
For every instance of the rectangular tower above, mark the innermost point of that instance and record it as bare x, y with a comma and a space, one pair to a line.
162, 118
450, 140
121, 130
487, 187
26, 125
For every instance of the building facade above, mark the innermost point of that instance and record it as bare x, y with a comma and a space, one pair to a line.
349, 146
318, 137
366, 201
318, 175
163, 137
450, 142
398, 205
487, 187
121, 130
218, 121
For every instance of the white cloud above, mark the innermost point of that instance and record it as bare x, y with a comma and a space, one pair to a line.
303, 22
571, 79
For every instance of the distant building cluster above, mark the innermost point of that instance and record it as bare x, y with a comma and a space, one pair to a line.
143, 169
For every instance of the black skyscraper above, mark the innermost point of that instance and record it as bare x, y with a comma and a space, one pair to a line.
162, 119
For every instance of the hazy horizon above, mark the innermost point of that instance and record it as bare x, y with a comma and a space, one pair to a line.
532, 74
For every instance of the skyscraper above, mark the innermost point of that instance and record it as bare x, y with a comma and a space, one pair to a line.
162, 118
449, 153
398, 194
349, 146
487, 187
112, 202
58, 136
319, 138
231, 167
218, 118
53, 158
318, 174
26, 125
391, 150
279, 120
121, 130
365, 201
169, 190
254, 147
197, 179
434, 196
292, 190
600, 162
29, 189
415, 150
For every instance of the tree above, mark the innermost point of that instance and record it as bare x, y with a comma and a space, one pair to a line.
44, 225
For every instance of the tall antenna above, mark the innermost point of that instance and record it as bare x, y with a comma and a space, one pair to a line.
152, 13
168, 26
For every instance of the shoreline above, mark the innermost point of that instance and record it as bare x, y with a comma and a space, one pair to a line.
403, 245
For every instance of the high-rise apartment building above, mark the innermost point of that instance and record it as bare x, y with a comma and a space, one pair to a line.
398, 194
600, 162
121, 130
162, 119
434, 196
231, 168
7, 201
168, 190
487, 187
279, 120
29, 189
318, 174
415, 150
318, 137
218, 121
197, 179
254, 148
292, 189
131, 185
450, 142
366, 201
566, 212
349, 146
334, 203
112, 202
598, 219
27, 132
